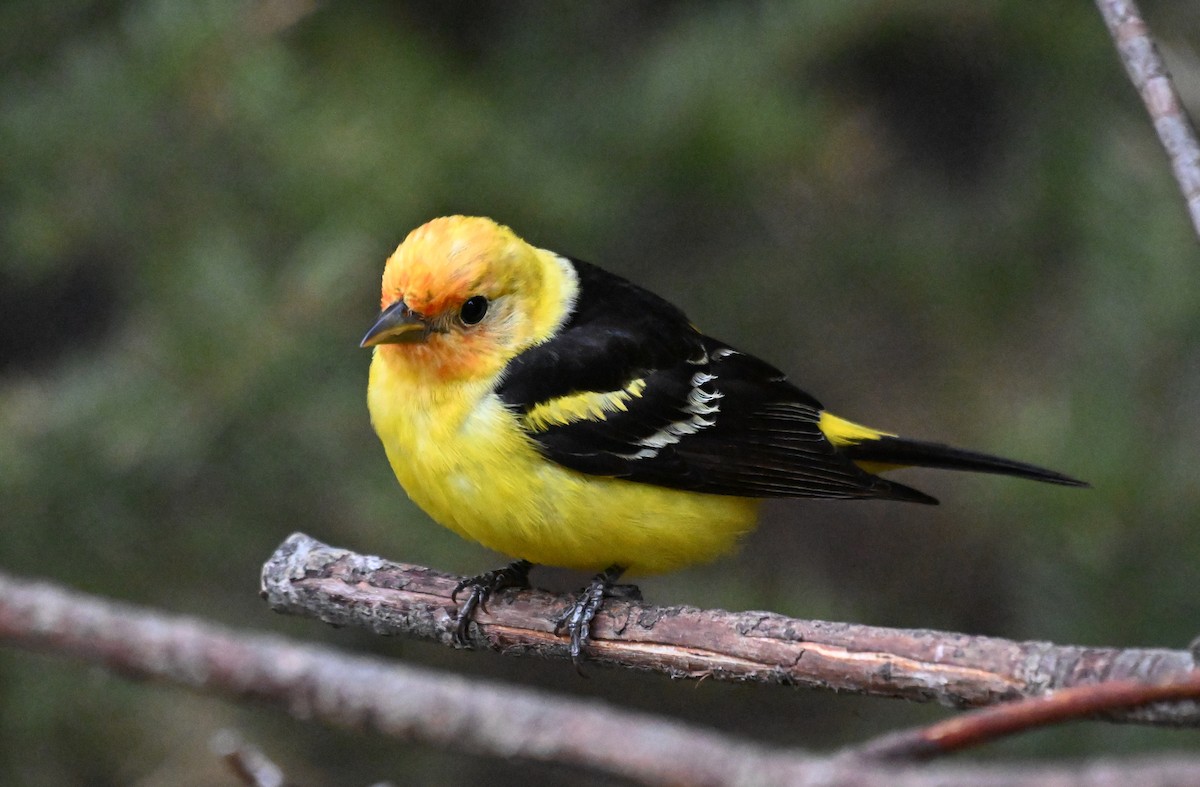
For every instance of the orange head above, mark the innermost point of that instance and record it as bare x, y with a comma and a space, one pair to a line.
462, 296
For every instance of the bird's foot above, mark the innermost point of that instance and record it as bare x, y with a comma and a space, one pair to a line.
514, 575
577, 618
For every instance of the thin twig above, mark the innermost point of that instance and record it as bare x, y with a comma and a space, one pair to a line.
340, 689
1149, 75
988, 724
247, 763
306, 577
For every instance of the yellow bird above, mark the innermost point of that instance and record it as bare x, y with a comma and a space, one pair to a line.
561, 414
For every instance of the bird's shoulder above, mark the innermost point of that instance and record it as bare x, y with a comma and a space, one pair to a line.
613, 332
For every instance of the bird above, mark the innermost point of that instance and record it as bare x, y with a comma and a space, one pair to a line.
564, 416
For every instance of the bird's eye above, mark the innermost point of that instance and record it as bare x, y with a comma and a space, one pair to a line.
473, 310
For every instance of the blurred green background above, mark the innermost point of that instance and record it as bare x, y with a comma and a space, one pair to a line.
951, 220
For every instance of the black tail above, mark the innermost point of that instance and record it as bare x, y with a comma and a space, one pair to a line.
918, 453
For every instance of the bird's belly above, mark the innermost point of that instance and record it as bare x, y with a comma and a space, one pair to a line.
488, 483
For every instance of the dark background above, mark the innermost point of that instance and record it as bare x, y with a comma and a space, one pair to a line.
946, 219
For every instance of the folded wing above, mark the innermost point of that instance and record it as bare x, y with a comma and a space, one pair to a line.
631, 390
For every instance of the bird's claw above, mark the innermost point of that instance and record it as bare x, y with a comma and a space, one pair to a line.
577, 618
514, 575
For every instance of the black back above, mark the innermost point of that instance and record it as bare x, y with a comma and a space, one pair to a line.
708, 419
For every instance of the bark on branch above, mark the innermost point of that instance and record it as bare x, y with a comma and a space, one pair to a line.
306, 577
337, 688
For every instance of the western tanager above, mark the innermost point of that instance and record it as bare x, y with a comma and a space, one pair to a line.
560, 414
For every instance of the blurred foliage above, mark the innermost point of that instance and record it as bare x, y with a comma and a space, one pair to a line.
952, 220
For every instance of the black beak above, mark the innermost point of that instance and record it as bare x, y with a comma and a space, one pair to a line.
397, 324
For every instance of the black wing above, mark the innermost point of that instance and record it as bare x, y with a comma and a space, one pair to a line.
628, 388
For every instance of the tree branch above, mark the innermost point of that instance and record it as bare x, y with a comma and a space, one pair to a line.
306, 577
344, 690
1149, 75
248, 764
340, 689
988, 724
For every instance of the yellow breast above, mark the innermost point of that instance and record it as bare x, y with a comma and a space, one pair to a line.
463, 457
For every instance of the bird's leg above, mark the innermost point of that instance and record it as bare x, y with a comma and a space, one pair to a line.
577, 618
514, 575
